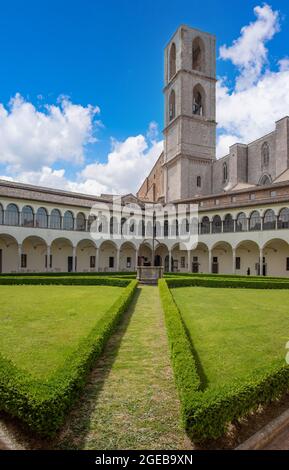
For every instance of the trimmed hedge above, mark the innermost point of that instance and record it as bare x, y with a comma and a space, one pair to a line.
206, 414
42, 405
227, 282
65, 281
131, 274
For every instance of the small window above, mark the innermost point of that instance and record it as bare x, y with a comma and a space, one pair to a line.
225, 172
195, 259
172, 105
92, 262
273, 193
111, 262
215, 259
252, 197
199, 181
287, 264
183, 262
23, 261
128, 262
238, 262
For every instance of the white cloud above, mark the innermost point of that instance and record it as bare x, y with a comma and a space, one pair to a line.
248, 52
30, 138
258, 100
127, 165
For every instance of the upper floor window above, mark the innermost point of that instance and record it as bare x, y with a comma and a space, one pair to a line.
199, 181
265, 153
265, 180
198, 55
27, 217
41, 218
172, 61
225, 172
80, 221
198, 101
55, 219
12, 215
68, 222
172, 105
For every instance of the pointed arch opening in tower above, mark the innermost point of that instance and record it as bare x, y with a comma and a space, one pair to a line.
198, 101
172, 61
198, 55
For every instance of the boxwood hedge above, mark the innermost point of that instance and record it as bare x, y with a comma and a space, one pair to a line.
206, 414
42, 405
259, 283
65, 280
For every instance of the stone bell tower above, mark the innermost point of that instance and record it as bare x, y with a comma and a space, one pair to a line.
190, 114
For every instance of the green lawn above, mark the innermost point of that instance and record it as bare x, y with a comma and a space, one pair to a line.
41, 325
234, 332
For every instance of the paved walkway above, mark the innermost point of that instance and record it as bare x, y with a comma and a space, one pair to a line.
131, 400
281, 442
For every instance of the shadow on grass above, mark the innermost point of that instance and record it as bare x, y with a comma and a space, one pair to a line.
199, 366
72, 434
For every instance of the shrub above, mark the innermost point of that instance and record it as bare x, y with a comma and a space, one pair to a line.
65, 281
65, 274
42, 405
227, 282
206, 414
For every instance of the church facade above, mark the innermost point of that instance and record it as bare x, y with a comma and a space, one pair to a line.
243, 198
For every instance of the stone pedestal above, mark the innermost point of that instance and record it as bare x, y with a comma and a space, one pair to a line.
149, 274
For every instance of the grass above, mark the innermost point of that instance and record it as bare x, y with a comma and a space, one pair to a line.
234, 333
130, 401
42, 325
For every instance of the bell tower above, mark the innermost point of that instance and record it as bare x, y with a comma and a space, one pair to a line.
190, 114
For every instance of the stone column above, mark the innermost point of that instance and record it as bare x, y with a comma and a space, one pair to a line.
74, 259
19, 256
48, 252
136, 258
234, 261
261, 261
210, 260
189, 262
96, 259
117, 259
170, 261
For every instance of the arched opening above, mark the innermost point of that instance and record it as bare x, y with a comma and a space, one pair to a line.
255, 221
247, 258
172, 61
198, 101
12, 215
68, 221
265, 180
34, 255
128, 257
108, 260
198, 55
241, 222
205, 225
217, 224
269, 221
41, 218
172, 105
1, 215
222, 258
276, 257
228, 223
55, 219
86, 256
80, 222
145, 255
9, 254
283, 218
27, 216
62, 255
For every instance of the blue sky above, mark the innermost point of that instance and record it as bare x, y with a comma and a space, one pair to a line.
109, 54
